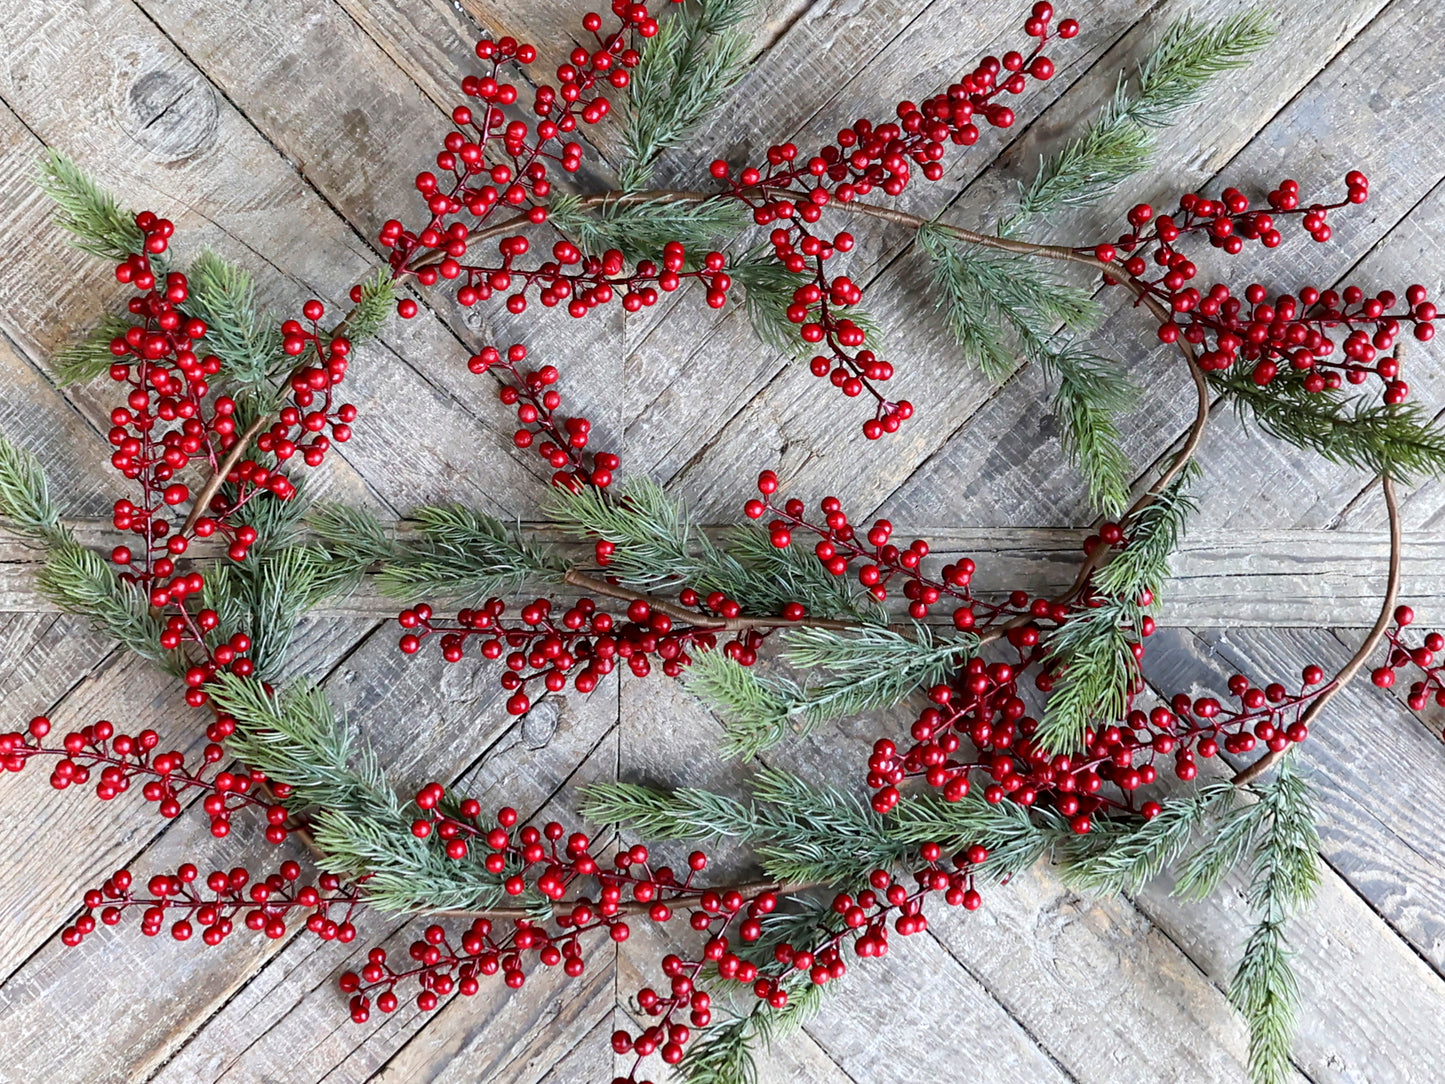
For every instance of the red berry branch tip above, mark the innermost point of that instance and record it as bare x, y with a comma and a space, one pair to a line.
117, 760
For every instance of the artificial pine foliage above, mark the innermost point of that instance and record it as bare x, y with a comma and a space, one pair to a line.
1029, 732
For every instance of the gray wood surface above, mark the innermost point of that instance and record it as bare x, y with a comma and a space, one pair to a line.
283, 132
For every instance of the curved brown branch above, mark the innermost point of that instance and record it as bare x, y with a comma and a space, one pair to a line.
1358, 659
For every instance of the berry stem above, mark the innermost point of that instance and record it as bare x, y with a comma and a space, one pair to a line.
594, 585
1372, 641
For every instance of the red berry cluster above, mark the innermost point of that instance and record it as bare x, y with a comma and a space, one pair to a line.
169, 423
266, 906
883, 561
119, 759
585, 641
496, 162
982, 705
793, 190
1426, 657
536, 400
596, 280
1284, 337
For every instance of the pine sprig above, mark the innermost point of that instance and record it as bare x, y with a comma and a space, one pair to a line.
1285, 875
1092, 392
361, 827
867, 669
684, 814
224, 296
80, 581
371, 313
727, 1053
457, 554
641, 228
1398, 440
25, 503
1123, 854
999, 306
757, 711
89, 357
658, 546
1120, 142
96, 223
1094, 650
687, 69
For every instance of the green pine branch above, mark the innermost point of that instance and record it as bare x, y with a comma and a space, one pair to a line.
1285, 875
370, 314
89, 357
1120, 141
687, 69
1123, 854
458, 553
866, 669
1000, 306
361, 826
237, 329
96, 223
1378, 438
1093, 651
640, 229
25, 503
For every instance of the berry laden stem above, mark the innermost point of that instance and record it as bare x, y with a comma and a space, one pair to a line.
635, 907
1372, 641
594, 585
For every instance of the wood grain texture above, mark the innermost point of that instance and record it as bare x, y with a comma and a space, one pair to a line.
283, 132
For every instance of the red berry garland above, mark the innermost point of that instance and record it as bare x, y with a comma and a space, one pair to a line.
977, 730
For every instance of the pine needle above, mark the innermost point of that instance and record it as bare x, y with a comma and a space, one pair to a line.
640, 229
370, 314
249, 339
96, 223
768, 289
362, 828
1377, 438
1123, 854
1285, 877
1120, 142
458, 553
80, 581
89, 357
1094, 649
866, 670
25, 504
687, 69
1000, 306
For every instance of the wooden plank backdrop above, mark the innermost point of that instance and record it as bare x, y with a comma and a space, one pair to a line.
283, 132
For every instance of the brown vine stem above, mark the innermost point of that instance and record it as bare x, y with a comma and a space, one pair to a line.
1357, 660
214, 483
